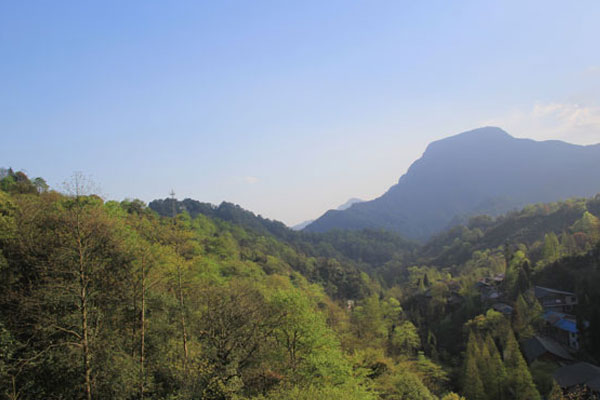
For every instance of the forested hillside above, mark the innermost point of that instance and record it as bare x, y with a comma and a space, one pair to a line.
109, 300
105, 299
437, 283
471, 294
367, 249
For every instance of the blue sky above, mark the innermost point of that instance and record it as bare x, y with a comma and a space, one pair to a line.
286, 108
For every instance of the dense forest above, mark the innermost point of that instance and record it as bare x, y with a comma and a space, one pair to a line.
185, 300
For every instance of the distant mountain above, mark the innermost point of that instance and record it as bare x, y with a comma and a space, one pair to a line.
302, 225
349, 204
483, 171
346, 205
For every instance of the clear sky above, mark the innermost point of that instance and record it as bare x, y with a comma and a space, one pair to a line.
287, 108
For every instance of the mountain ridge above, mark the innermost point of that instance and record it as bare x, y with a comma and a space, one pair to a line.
481, 171
346, 205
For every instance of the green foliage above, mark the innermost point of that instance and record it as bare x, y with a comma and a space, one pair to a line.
519, 380
7, 217
492, 323
405, 339
574, 220
173, 308
368, 322
8, 348
542, 374
551, 249
588, 223
517, 278
340, 253
218, 303
309, 347
432, 375
315, 392
495, 371
556, 393
18, 182
472, 380
452, 396
405, 384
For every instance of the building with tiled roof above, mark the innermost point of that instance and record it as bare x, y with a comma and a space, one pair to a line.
579, 374
545, 349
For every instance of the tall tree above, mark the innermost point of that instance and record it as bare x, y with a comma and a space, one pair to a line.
473, 387
75, 300
180, 238
520, 382
235, 330
146, 258
551, 249
496, 366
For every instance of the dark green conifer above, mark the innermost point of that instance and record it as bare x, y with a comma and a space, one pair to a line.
473, 387
497, 386
520, 382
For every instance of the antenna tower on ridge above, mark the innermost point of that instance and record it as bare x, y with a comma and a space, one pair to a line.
173, 202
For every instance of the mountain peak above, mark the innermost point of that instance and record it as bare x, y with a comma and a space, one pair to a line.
488, 135
485, 130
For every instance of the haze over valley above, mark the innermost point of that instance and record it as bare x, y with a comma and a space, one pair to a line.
300, 200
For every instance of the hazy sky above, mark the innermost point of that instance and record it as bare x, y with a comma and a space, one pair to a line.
287, 108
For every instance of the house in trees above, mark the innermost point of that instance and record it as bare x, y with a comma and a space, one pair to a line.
562, 328
559, 324
581, 374
498, 279
489, 288
545, 349
503, 308
555, 300
350, 305
454, 298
